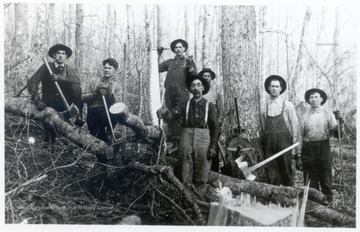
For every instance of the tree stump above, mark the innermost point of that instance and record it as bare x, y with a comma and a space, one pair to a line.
246, 211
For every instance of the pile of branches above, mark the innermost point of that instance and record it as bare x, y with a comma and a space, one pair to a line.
64, 184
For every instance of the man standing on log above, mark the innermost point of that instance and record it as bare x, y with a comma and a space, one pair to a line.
68, 81
280, 130
215, 97
316, 127
106, 86
199, 137
176, 92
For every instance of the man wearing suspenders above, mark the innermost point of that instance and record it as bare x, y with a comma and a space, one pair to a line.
280, 126
199, 137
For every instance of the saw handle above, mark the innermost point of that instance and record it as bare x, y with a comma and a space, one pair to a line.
258, 165
57, 87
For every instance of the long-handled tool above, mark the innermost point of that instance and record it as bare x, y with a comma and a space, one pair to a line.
247, 171
71, 110
20, 91
109, 119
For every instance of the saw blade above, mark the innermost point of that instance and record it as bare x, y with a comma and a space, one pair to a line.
155, 97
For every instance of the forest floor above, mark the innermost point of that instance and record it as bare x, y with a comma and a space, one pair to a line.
64, 184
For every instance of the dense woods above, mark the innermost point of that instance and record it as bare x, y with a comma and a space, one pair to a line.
308, 46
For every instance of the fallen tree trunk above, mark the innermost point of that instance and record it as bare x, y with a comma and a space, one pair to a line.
284, 195
51, 117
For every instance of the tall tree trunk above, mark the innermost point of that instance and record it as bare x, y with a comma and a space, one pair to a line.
187, 25
50, 10
79, 38
205, 38
20, 43
240, 70
294, 78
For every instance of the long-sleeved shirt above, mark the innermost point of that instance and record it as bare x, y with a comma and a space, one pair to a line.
316, 125
49, 92
196, 118
177, 71
274, 107
90, 96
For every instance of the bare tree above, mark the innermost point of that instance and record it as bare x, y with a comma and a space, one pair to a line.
79, 38
240, 69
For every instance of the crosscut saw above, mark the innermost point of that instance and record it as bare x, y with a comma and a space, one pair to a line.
155, 97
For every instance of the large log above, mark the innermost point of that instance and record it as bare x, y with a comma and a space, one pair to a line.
283, 195
21, 107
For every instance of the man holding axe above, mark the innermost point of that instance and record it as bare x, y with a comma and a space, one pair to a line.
60, 87
316, 127
100, 94
280, 130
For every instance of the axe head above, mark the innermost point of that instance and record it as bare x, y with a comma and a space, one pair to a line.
245, 169
71, 112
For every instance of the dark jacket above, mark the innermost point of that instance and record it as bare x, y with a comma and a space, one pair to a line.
49, 92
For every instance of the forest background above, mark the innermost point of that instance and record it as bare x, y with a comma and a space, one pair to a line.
310, 46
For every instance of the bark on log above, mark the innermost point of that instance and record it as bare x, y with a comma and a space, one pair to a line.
329, 215
18, 106
283, 195
134, 122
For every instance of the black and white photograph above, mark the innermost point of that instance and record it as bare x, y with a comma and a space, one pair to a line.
184, 114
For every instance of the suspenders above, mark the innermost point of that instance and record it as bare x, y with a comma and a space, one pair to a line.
206, 112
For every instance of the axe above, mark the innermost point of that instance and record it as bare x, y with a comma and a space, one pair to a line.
71, 110
109, 119
247, 171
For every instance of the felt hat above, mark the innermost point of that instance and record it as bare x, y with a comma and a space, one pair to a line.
58, 47
183, 42
204, 70
278, 78
111, 62
314, 90
206, 84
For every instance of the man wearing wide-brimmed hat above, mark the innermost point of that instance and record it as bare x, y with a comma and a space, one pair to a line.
316, 127
280, 130
176, 91
106, 86
214, 96
198, 140
67, 79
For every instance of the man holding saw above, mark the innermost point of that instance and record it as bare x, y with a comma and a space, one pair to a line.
176, 92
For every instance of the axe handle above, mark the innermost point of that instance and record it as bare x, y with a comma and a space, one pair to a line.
57, 86
258, 165
108, 117
21, 90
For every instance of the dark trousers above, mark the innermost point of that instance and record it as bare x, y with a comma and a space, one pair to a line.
317, 166
175, 97
98, 123
72, 93
279, 170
